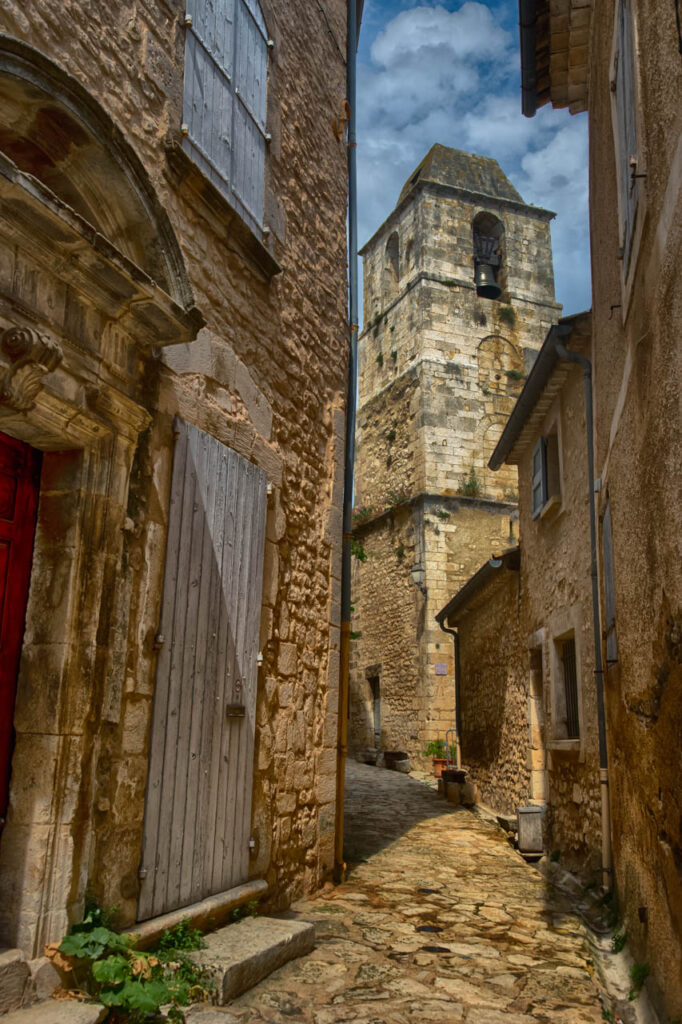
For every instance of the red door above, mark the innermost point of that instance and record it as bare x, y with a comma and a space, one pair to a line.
19, 485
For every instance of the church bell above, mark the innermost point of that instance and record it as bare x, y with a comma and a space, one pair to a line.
486, 285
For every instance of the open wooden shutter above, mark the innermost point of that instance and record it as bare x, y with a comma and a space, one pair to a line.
609, 594
225, 92
539, 483
198, 807
626, 116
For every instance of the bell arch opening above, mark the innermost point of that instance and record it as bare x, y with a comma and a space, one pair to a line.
54, 130
488, 237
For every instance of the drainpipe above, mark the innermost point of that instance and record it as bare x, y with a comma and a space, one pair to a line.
458, 728
351, 56
574, 357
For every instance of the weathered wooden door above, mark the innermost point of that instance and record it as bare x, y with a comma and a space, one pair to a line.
19, 486
198, 807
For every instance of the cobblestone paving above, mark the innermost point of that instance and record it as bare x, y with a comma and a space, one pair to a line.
440, 920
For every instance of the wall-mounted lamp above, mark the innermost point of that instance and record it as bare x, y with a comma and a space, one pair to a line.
419, 576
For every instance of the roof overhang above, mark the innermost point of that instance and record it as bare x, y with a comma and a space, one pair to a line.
466, 599
543, 383
554, 54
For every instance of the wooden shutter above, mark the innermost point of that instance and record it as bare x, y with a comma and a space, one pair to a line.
539, 483
198, 806
609, 594
225, 91
626, 119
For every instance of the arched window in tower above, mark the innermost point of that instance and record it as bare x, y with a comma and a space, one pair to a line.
391, 267
488, 243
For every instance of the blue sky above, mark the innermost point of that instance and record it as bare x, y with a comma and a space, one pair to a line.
449, 72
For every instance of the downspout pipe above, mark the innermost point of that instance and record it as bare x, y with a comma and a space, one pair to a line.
575, 357
342, 736
458, 729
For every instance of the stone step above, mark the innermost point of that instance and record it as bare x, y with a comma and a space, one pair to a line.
63, 1011
14, 975
244, 953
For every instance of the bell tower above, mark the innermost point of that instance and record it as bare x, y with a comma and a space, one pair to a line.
458, 298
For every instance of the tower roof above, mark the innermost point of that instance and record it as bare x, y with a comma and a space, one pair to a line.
479, 174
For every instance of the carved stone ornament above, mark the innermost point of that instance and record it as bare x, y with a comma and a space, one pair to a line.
31, 355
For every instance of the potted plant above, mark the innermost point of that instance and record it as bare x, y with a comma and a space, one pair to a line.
435, 749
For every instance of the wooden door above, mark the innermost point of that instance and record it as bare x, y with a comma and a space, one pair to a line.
198, 807
19, 487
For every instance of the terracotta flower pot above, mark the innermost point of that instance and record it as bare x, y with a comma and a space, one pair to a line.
439, 764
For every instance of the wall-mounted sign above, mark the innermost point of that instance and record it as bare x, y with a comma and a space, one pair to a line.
441, 668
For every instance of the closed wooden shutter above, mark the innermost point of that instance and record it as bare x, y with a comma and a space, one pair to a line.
609, 594
539, 483
626, 116
198, 806
225, 92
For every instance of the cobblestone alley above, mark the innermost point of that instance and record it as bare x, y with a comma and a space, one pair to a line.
440, 920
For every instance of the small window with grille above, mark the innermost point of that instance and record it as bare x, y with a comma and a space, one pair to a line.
570, 683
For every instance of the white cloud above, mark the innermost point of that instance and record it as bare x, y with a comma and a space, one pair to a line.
435, 75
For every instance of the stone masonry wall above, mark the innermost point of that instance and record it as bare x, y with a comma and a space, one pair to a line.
638, 368
494, 696
267, 377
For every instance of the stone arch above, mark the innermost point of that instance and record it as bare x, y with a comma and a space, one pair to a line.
488, 240
391, 266
500, 365
53, 129
502, 482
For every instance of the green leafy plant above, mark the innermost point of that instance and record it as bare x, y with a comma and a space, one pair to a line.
363, 513
392, 328
514, 374
391, 436
511, 495
618, 941
554, 856
434, 748
638, 975
400, 552
394, 354
357, 551
507, 315
249, 909
471, 486
442, 513
380, 359
131, 983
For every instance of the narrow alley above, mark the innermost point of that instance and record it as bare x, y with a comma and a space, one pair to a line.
440, 920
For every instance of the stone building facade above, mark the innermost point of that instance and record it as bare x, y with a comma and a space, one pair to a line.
439, 369
632, 89
173, 355
527, 692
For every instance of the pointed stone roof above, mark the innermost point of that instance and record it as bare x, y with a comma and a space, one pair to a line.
479, 174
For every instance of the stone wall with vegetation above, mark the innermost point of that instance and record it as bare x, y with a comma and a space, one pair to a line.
267, 377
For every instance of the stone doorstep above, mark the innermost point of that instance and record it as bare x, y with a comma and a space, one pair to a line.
14, 974
244, 953
66, 1011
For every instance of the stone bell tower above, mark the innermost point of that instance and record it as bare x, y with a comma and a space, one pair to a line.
458, 298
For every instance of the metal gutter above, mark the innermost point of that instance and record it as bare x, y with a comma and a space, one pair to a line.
344, 653
543, 368
527, 20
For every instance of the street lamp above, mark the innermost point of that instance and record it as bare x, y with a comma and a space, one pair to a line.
418, 577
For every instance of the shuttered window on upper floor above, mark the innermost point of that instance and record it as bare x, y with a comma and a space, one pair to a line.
623, 87
225, 92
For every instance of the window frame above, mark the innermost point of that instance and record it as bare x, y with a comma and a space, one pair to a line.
566, 624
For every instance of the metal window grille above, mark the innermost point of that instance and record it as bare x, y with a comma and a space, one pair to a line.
568, 662
224, 105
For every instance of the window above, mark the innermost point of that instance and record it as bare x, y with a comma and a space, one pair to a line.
609, 594
569, 721
623, 88
546, 474
226, 64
